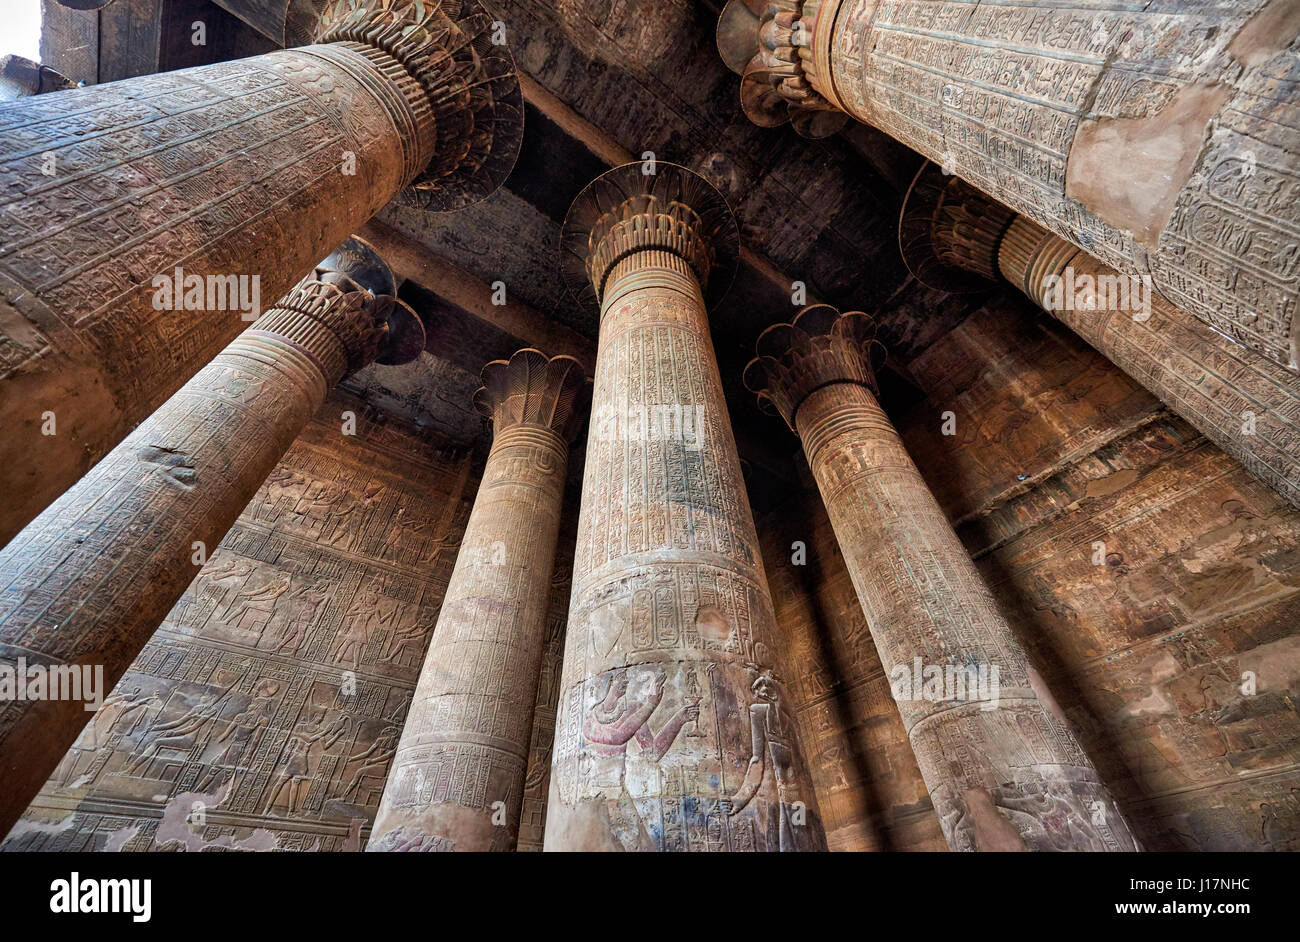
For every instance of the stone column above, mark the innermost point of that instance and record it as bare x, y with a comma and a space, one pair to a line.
457, 781
85, 585
672, 731
1002, 767
1162, 138
146, 221
950, 234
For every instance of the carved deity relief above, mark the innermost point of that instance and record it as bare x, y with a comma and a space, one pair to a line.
661, 698
281, 679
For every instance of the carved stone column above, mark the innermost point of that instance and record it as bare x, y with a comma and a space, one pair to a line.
1162, 138
672, 731
457, 781
1002, 767
84, 586
146, 221
1246, 405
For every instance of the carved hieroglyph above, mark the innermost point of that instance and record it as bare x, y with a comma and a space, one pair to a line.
1161, 138
1246, 405
457, 782
265, 710
224, 179
88, 581
1002, 766
673, 731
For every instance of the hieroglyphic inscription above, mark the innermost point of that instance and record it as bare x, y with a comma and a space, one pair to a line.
1159, 140
274, 693
673, 732
234, 169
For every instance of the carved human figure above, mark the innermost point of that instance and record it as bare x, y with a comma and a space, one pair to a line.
621, 716
307, 600
772, 764
239, 738
360, 622
296, 768
120, 709
183, 731
375, 759
257, 605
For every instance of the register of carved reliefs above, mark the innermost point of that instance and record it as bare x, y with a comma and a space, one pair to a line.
266, 710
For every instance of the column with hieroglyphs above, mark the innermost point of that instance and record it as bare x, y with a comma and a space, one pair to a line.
673, 732
1161, 138
457, 780
85, 585
952, 235
148, 221
1003, 768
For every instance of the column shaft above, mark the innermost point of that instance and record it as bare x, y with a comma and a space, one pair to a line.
1010, 776
457, 780
1247, 406
1158, 137
85, 585
228, 169
146, 220
672, 733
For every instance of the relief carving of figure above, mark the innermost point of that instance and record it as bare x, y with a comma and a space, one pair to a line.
241, 735
360, 622
257, 605
305, 602
374, 761
219, 581
772, 766
300, 760
621, 715
183, 731
126, 711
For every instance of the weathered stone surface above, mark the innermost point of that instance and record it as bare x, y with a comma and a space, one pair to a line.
1246, 405
1002, 766
273, 694
88, 582
672, 641
869, 789
1162, 139
1057, 455
252, 169
458, 779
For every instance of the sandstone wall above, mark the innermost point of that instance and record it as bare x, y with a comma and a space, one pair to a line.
265, 711
1198, 589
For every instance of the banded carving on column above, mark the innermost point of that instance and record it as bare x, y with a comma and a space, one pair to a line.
230, 180
1160, 139
1002, 767
952, 235
85, 585
672, 730
457, 781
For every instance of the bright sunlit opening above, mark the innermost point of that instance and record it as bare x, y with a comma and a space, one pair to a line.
21, 35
